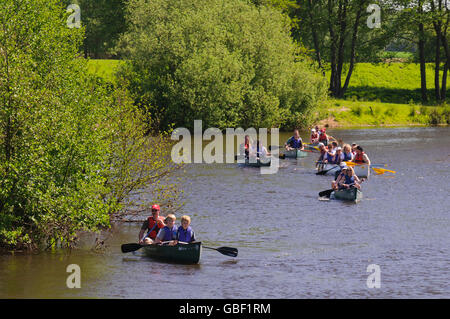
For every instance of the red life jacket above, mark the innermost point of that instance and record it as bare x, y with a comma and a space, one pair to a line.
154, 229
359, 158
323, 137
314, 136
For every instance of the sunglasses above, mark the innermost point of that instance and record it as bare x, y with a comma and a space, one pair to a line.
155, 210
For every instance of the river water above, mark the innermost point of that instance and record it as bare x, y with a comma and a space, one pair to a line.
291, 245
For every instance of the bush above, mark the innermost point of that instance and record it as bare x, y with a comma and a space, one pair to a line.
78, 147
227, 63
357, 110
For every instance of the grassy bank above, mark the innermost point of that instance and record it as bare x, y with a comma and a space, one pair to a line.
379, 94
397, 83
345, 113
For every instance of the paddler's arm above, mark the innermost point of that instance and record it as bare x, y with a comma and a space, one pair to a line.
366, 158
142, 232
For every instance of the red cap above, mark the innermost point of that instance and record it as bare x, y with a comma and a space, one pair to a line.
322, 130
156, 206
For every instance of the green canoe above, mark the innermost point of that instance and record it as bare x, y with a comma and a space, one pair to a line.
255, 162
181, 253
352, 194
295, 154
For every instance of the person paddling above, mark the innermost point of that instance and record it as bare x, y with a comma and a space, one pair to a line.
323, 153
151, 226
168, 232
294, 142
245, 147
323, 138
360, 156
185, 234
351, 180
259, 151
314, 137
347, 153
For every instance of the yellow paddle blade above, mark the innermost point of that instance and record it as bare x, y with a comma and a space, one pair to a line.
350, 163
382, 170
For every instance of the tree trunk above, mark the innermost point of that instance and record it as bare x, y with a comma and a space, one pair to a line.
343, 6
444, 83
353, 48
314, 35
333, 41
421, 47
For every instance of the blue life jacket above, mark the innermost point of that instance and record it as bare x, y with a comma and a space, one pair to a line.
330, 158
349, 180
185, 235
347, 157
169, 234
292, 142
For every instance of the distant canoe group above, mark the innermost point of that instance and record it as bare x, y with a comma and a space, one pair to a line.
349, 164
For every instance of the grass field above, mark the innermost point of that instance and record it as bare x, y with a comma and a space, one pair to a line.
390, 82
379, 94
104, 69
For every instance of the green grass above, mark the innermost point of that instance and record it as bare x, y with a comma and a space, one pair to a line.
397, 55
104, 69
370, 113
389, 82
379, 94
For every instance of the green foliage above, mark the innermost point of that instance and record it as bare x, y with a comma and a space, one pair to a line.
228, 63
71, 149
103, 21
357, 110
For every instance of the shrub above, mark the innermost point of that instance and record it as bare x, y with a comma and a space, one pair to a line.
357, 110
228, 63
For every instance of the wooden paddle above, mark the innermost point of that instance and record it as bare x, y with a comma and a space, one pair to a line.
228, 251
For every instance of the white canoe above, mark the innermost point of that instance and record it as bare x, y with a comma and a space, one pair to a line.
362, 171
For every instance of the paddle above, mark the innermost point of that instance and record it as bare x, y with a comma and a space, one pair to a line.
381, 171
228, 251
371, 165
127, 248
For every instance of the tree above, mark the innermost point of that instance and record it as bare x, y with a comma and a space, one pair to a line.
104, 21
72, 149
335, 31
228, 63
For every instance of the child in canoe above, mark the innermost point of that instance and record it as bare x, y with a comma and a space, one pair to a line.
185, 234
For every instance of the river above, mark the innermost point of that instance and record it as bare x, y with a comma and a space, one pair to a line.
291, 245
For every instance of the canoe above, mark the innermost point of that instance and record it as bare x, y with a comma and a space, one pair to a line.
351, 194
328, 169
254, 161
181, 253
362, 171
295, 154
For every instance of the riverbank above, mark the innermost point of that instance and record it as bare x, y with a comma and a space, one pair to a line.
346, 114
382, 94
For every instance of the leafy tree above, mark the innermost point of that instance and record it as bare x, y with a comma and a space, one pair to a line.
72, 150
228, 63
103, 21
